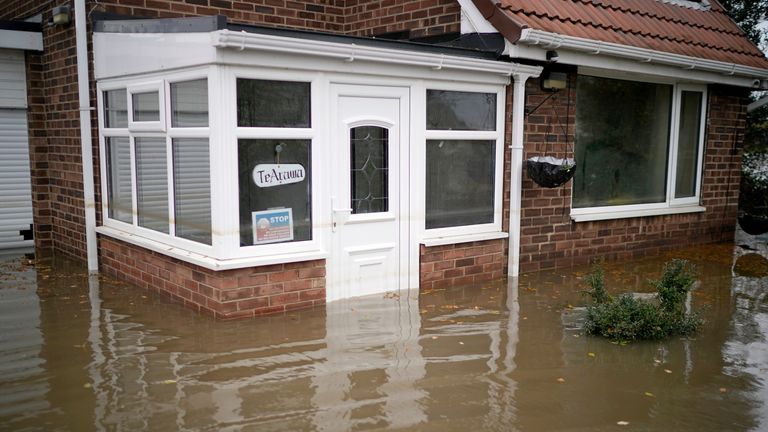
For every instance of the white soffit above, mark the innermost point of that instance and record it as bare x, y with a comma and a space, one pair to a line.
533, 44
23, 40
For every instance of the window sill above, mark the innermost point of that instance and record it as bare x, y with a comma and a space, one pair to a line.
206, 261
587, 216
466, 238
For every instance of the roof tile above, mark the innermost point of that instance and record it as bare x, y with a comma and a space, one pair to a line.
653, 24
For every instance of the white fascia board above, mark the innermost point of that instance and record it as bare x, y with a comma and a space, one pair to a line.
472, 21
356, 56
533, 44
125, 54
757, 104
23, 40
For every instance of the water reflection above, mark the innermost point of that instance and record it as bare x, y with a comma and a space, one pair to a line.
94, 354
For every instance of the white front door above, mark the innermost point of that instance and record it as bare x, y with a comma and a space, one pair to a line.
369, 180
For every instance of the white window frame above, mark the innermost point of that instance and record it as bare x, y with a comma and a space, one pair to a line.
670, 205
147, 87
133, 232
465, 233
277, 252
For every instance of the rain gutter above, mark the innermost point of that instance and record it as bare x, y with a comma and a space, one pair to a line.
86, 147
351, 52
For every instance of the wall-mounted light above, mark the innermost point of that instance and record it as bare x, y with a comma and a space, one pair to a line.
553, 80
552, 56
60, 15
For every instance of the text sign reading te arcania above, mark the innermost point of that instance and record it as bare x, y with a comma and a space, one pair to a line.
268, 175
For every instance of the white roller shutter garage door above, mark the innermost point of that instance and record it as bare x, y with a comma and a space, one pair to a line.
15, 184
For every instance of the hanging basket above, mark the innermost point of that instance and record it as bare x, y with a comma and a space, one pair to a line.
753, 225
550, 172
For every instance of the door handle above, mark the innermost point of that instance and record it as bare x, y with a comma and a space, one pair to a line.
338, 215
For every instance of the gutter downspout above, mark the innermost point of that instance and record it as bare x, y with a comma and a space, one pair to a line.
516, 171
86, 145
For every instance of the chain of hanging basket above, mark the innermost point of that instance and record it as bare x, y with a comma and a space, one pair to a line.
549, 171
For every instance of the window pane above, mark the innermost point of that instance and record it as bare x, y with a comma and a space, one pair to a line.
369, 166
272, 103
192, 189
119, 179
622, 136
115, 109
189, 103
460, 182
688, 144
452, 110
146, 107
296, 196
152, 183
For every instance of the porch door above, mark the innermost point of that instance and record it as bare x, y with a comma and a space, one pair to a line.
369, 235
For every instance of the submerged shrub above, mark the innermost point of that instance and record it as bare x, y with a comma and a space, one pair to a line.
628, 318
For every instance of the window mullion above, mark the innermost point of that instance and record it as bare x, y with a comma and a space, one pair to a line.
672, 150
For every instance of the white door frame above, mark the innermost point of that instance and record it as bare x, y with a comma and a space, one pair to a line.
335, 288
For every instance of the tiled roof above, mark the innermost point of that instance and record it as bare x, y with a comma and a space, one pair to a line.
660, 25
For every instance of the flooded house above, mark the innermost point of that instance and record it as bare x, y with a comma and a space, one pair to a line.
248, 158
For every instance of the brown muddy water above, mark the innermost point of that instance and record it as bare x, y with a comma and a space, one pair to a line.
84, 355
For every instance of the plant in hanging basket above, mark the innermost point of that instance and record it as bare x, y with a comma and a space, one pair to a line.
550, 172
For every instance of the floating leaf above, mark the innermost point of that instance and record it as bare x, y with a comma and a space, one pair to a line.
169, 381
622, 423
87, 385
591, 354
649, 394
667, 371
723, 389
561, 380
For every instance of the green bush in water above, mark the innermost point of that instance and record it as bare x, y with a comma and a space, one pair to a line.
628, 318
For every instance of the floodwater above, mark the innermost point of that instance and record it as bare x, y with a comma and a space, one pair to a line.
79, 354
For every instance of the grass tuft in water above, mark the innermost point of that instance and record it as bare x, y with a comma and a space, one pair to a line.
628, 318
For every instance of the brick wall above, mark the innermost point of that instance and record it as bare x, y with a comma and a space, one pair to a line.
461, 264
549, 239
223, 294
420, 17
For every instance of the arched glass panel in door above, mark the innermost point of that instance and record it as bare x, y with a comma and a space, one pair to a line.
369, 165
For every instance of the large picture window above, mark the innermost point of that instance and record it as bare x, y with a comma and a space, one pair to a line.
638, 144
462, 159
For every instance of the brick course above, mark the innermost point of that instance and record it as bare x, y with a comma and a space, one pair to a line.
228, 294
461, 264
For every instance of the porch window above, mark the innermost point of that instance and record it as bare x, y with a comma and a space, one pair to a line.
462, 160
159, 180
638, 145
274, 168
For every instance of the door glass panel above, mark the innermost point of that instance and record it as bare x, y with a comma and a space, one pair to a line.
369, 169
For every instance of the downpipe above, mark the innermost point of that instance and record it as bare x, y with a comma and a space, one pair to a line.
86, 147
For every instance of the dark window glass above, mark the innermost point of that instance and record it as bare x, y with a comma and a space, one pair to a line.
189, 103
119, 179
296, 196
688, 144
452, 110
115, 109
192, 189
146, 107
152, 183
622, 136
460, 182
263, 103
369, 165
